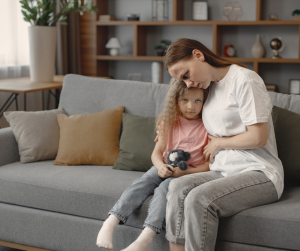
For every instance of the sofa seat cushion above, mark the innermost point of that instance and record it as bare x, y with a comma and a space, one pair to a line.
276, 225
91, 191
88, 191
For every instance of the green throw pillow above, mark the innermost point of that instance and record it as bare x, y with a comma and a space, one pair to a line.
136, 143
287, 126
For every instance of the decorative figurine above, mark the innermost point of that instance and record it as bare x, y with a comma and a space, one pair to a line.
232, 11
277, 45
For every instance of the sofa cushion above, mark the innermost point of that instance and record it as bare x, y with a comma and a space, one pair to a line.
90, 191
286, 127
136, 143
37, 133
89, 139
81, 94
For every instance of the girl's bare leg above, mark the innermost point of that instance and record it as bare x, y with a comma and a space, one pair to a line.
176, 247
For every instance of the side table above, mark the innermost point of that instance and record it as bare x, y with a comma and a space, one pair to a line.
23, 85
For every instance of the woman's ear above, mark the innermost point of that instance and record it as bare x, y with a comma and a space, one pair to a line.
198, 55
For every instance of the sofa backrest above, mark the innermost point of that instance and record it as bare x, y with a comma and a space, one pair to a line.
82, 95
290, 102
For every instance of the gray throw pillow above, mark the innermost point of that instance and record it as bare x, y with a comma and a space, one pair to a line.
286, 127
136, 143
37, 133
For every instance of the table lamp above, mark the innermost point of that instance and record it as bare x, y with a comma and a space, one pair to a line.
114, 45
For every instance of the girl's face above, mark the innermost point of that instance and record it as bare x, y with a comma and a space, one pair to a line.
195, 72
190, 104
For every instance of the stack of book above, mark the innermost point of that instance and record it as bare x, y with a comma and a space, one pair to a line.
106, 18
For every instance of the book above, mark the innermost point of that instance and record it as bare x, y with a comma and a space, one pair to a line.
106, 18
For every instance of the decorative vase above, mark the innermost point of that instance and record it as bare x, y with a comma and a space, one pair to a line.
296, 17
42, 42
258, 50
157, 72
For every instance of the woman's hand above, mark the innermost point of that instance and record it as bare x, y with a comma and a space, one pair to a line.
164, 172
211, 149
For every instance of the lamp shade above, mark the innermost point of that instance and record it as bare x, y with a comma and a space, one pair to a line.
113, 43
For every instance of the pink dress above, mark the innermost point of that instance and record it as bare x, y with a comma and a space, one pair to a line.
190, 136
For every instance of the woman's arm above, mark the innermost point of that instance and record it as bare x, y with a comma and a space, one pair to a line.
202, 168
157, 159
256, 136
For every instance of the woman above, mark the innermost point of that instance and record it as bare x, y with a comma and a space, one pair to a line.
245, 170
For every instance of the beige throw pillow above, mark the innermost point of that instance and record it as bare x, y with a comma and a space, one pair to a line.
90, 139
37, 133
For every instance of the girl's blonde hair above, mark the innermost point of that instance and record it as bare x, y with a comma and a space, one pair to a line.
171, 111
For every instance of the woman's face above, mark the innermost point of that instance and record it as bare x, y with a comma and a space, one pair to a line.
195, 72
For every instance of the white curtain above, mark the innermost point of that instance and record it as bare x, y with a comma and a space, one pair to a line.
14, 54
14, 43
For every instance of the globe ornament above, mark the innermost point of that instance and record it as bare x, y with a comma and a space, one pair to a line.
277, 46
232, 11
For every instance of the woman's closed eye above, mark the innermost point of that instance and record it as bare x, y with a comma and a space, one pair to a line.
185, 76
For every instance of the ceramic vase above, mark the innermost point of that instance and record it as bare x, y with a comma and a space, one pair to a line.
258, 50
42, 42
157, 72
297, 17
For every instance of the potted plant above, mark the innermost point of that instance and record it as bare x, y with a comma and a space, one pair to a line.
296, 14
161, 48
42, 16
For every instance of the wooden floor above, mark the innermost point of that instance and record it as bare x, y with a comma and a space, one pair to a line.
9, 246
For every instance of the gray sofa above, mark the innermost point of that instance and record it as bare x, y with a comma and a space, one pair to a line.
63, 207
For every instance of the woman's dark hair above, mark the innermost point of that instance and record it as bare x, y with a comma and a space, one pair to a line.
182, 49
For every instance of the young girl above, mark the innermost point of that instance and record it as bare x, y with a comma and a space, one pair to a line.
180, 127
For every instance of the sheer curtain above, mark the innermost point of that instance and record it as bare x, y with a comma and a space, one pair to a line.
14, 52
14, 44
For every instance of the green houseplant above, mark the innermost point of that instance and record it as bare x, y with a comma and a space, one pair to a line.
42, 12
161, 48
296, 14
42, 16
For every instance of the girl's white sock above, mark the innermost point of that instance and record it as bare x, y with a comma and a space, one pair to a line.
143, 242
104, 239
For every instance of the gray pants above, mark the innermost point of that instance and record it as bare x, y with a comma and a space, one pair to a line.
196, 201
134, 196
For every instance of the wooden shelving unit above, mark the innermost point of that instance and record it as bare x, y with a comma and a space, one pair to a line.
100, 61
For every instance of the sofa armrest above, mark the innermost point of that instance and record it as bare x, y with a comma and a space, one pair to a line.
9, 151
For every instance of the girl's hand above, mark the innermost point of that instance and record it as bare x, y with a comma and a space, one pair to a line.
178, 172
211, 149
164, 172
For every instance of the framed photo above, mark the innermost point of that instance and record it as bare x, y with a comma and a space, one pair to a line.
294, 86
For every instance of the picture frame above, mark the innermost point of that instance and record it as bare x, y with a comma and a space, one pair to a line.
294, 86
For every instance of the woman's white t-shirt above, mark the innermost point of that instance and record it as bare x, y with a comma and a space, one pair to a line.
238, 100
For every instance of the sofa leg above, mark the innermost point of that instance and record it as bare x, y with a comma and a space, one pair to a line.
21, 247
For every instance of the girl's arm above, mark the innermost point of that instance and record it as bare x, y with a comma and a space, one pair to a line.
202, 168
157, 159
256, 136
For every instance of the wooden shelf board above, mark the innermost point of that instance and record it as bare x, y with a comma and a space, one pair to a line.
235, 59
264, 60
209, 22
137, 58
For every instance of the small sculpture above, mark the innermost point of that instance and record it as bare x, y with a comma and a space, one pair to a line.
232, 11
277, 45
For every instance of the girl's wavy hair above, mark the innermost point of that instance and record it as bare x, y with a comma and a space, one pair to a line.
171, 111
182, 49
